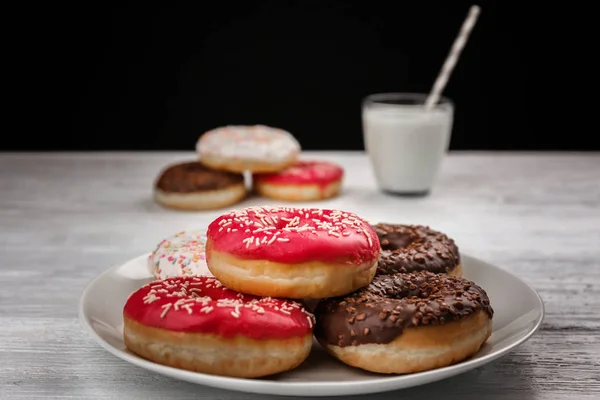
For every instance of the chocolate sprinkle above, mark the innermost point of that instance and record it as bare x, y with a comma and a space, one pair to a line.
193, 176
414, 248
397, 302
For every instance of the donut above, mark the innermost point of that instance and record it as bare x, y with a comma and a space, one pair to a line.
181, 254
299, 253
414, 248
196, 324
406, 323
193, 186
255, 148
303, 181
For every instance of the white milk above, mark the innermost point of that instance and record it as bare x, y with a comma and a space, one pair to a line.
406, 144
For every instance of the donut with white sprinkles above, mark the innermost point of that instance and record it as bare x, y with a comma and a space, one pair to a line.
299, 253
197, 324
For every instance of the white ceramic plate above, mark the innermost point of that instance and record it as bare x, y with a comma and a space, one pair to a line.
518, 314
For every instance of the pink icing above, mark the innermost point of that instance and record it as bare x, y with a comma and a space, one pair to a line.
204, 305
295, 235
305, 172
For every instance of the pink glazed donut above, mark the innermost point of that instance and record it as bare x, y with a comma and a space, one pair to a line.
298, 253
303, 181
197, 324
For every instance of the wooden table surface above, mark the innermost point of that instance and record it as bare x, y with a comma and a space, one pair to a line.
65, 218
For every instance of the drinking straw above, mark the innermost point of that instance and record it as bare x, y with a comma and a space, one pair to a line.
452, 58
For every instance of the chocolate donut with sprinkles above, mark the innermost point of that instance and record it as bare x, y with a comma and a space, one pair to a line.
415, 248
255, 148
303, 181
197, 324
299, 253
406, 323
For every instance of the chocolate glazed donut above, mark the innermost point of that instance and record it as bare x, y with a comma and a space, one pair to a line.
414, 248
406, 323
193, 186
193, 176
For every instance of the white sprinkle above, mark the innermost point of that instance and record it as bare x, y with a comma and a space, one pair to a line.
178, 303
248, 241
265, 229
283, 239
166, 308
150, 298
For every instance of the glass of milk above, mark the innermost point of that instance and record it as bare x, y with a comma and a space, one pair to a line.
405, 142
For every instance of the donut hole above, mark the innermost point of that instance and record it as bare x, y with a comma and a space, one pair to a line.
281, 224
400, 238
415, 248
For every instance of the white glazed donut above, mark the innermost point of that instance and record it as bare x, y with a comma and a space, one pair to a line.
181, 254
256, 148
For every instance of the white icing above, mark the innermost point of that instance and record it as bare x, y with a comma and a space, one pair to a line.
180, 255
256, 142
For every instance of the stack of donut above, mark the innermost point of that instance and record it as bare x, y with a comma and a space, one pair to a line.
216, 179
234, 300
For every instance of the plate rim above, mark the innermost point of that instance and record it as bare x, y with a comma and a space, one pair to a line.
258, 386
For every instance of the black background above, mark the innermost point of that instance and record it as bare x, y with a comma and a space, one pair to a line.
145, 77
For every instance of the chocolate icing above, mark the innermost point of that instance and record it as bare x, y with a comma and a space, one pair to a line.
193, 176
379, 312
413, 248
